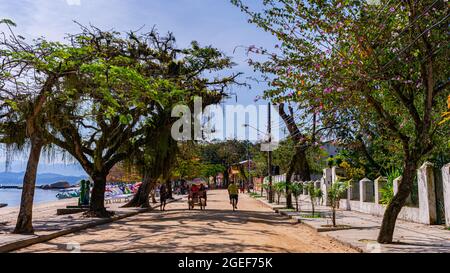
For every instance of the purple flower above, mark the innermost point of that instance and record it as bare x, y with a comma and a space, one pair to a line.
328, 90
392, 9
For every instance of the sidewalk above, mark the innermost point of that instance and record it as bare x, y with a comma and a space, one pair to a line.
50, 227
360, 230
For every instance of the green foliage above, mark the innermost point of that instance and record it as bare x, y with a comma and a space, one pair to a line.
7, 22
283, 155
366, 72
212, 170
336, 191
280, 189
296, 189
387, 192
330, 162
255, 195
313, 192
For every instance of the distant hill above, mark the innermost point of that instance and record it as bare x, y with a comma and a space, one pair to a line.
42, 178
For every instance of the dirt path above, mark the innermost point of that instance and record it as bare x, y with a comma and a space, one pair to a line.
254, 228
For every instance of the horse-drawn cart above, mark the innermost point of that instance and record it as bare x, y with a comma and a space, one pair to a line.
196, 199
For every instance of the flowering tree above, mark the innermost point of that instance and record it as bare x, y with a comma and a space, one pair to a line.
379, 66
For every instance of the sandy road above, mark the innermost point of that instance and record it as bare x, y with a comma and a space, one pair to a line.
254, 228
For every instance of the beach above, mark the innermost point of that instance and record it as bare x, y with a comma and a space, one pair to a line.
40, 211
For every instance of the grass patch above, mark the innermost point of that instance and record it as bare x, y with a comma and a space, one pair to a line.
337, 226
367, 241
314, 216
255, 195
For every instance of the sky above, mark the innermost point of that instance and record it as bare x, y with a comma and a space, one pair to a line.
210, 22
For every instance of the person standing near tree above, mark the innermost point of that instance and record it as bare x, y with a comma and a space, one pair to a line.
163, 194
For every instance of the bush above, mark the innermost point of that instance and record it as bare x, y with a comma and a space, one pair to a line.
314, 195
387, 192
279, 189
334, 195
296, 190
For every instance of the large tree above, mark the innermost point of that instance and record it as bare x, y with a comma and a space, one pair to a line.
389, 60
107, 102
187, 72
30, 74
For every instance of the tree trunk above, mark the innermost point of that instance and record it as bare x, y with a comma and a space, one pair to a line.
334, 217
24, 223
153, 194
169, 189
97, 206
395, 206
288, 186
296, 203
298, 165
142, 197
226, 179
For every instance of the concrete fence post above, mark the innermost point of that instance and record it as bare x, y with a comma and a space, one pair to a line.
396, 183
350, 192
366, 190
379, 183
326, 184
427, 194
446, 187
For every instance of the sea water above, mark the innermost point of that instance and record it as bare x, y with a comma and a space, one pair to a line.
12, 196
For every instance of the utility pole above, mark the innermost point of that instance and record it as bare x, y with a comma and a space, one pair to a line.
249, 167
269, 128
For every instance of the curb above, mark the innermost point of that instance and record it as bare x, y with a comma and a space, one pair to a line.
318, 230
44, 238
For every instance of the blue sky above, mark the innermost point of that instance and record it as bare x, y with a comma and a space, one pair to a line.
210, 22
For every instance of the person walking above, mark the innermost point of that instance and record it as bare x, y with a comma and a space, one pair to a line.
233, 192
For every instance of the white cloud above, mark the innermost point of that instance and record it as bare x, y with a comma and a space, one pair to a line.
73, 2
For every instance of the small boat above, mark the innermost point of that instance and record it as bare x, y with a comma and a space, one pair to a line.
68, 193
3, 205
